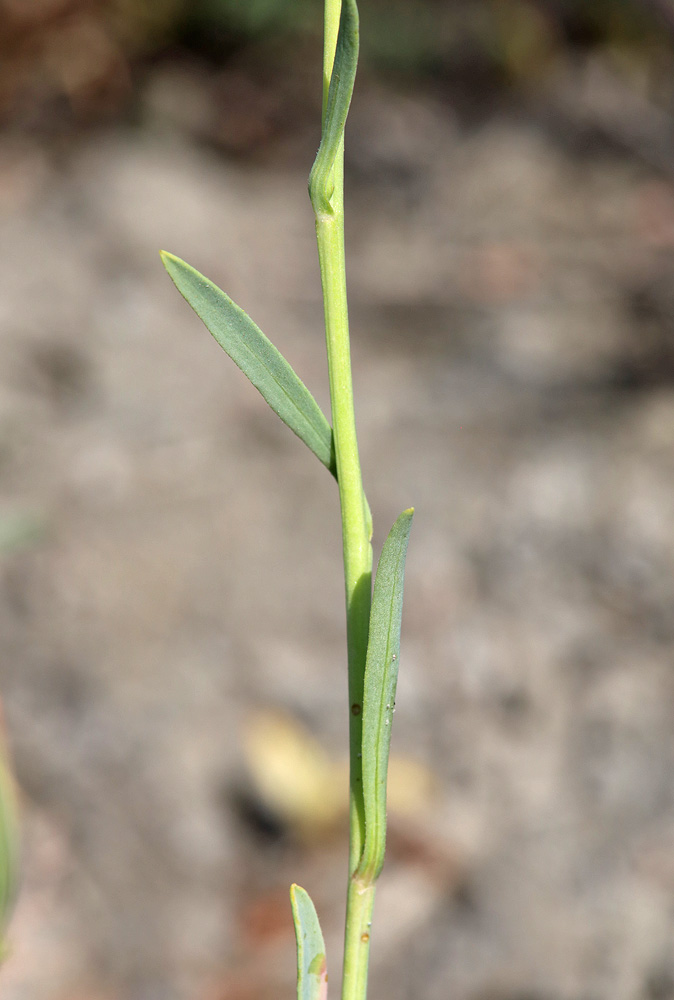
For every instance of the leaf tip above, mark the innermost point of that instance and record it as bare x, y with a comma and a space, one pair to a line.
297, 894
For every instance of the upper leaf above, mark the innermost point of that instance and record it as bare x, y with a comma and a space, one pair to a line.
312, 975
257, 358
381, 678
343, 77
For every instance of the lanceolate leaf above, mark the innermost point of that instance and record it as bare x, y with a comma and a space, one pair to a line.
339, 98
257, 358
381, 678
312, 975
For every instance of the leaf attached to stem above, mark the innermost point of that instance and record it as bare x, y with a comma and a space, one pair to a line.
257, 358
321, 184
381, 678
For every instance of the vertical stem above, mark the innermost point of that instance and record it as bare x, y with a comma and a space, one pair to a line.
359, 906
356, 532
357, 551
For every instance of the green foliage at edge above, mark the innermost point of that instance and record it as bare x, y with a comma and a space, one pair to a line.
381, 679
9, 845
312, 976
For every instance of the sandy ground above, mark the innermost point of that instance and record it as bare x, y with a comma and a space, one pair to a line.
171, 562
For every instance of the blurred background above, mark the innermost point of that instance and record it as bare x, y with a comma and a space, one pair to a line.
171, 621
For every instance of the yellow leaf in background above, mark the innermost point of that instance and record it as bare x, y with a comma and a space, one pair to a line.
295, 779
412, 788
292, 775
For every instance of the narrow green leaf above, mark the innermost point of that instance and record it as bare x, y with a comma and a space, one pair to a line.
257, 358
312, 975
321, 184
381, 678
9, 841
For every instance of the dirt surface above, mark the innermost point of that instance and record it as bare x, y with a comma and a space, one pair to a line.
171, 564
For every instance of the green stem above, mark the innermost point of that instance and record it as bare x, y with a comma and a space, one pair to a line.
356, 531
357, 551
359, 905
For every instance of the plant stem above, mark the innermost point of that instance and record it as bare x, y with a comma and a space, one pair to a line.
356, 531
357, 551
359, 906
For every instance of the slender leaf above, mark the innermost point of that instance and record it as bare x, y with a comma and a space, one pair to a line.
321, 185
381, 678
257, 358
9, 841
312, 975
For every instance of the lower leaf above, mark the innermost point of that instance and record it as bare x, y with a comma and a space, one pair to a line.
312, 973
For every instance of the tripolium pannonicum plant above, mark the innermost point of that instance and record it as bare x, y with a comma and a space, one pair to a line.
373, 614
